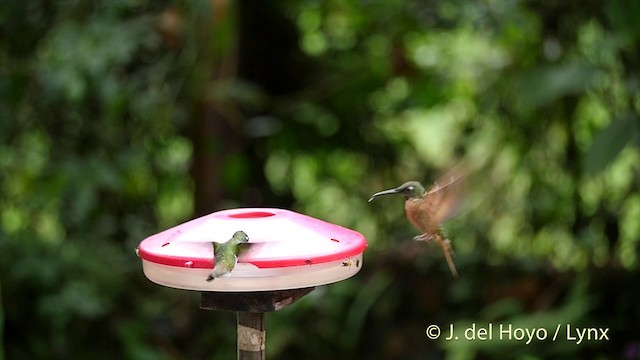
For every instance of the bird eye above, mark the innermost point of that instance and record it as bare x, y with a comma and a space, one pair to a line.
410, 188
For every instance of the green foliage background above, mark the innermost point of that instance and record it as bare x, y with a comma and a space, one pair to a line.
119, 119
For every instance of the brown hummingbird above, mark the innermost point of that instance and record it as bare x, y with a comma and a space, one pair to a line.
426, 210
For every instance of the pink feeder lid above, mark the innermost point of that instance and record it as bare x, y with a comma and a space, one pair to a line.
287, 239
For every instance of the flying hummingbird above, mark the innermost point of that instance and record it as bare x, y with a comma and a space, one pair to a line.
226, 254
426, 210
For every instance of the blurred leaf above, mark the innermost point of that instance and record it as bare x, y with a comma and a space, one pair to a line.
624, 15
545, 84
361, 306
573, 310
608, 143
2, 354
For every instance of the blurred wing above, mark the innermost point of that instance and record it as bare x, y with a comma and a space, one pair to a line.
247, 248
444, 197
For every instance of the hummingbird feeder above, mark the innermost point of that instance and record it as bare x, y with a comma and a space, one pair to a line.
293, 253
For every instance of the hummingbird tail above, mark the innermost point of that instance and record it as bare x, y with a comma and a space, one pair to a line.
448, 254
216, 273
219, 272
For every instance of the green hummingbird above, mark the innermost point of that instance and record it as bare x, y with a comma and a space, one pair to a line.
226, 254
427, 209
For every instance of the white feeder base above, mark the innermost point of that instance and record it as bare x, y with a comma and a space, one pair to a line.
246, 277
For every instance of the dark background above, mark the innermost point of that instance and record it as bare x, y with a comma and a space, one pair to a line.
119, 119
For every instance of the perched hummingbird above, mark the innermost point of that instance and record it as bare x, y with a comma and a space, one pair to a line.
226, 254
427, 209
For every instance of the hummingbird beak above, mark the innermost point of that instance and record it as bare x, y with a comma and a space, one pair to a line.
385, 192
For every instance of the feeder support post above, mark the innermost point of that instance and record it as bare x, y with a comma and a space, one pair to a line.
250, 308
251, 335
